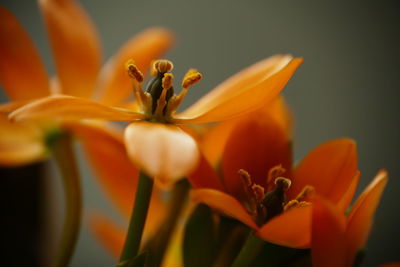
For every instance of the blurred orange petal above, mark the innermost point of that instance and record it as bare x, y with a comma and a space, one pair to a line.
346, 199
162, 151
22, 73
74, 108
110, 235
329, 168
11, 106
328, 241
150, 44
361, 216
105, 149
291, 229
20, 143
256, 144
75, 45
224, 203
247, 90
204, 176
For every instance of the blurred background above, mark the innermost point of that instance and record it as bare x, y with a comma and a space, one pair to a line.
347, 86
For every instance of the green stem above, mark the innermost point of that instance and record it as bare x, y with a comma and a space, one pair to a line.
138, 218
64, 154
249, 251
159, 245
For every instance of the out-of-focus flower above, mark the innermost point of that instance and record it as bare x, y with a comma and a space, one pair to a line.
248, 182
154, 141
337, 238
76, 51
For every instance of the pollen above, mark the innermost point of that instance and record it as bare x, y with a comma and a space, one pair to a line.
191, 78
133, 71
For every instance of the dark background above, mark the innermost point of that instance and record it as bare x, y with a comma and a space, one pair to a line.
347, 86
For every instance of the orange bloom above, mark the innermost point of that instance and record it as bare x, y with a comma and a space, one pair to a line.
260, 145
77, 57
154, 142
337, 238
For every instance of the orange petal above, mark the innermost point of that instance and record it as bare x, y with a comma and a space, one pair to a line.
248, 90
74, 108
256, 144
290, 229
361, 215
328, 235
164, 152
146, 46
75, 46
111, 236
224, 203
104, 147
329, 168
20, 143
11, 106
204, 176
22, 73
346, 199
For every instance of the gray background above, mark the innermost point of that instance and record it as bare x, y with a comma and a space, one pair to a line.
348, 85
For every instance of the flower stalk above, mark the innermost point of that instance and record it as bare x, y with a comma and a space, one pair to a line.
138, 218
249, 251
64, 154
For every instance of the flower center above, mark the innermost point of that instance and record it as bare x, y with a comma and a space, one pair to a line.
158, 101
265, 203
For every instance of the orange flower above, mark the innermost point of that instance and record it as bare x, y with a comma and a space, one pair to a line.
153, 140
260, 145
337, 238
77, 57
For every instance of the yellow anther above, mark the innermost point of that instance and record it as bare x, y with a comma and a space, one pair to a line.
258, 192
167, 81
245, 176
305, 194
282, 182
191, 77
162, 66
295, 203
274, 173
133, 71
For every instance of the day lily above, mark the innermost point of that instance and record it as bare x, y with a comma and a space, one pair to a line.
336, 237
77, 57
256, 184
154, 139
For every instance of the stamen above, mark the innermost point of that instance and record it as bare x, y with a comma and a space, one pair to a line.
166, 84
258, 192
274, 173
245, 176
134, 71
143, 99
305, 194
295, 203
191, 78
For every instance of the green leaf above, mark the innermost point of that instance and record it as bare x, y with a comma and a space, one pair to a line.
200, 240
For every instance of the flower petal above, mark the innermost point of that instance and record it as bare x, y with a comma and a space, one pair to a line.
328, 243
111, 236
346, 199
329, 168
256, 144
148, 45
74, 108
248, 90
104, 147
224, 203
361, 216
164, 152
22, 73
75, 45
204, 176
20, 143
291, 229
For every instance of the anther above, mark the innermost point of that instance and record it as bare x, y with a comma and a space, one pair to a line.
295, 203
134, 72
191, 77
274, 173
258, 192
245, 176
305, 194
167, 81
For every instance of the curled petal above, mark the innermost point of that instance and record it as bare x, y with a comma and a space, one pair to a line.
224, 203
361, 216
328, 241
144, 47
329, 168
73, 108
22, 73
291, 229
164, 152
75, 45
346, 199
20, 143
248, 90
